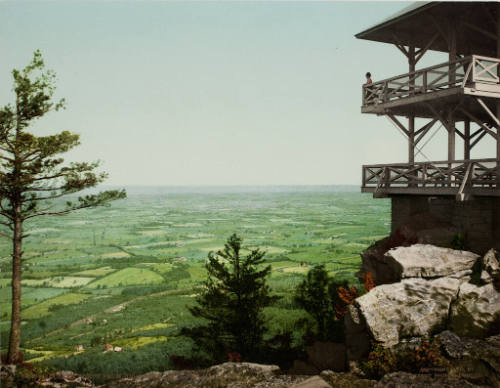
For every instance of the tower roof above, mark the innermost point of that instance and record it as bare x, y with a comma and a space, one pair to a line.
420, 22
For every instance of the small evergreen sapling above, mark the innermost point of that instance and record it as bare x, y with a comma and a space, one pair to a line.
231, 304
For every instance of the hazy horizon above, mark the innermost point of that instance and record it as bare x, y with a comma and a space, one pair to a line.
215, 93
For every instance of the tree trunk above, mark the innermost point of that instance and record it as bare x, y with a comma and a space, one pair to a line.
15, 328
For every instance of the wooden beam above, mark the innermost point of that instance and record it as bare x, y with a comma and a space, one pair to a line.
402, 49
424, 130
477, 132
457, 131
440, 29
483, 134
451, 137
398, 123
488, 14
423, 50
467, 138
490, 113
481, 30
497, 100
478, 122
411, 139
440, 117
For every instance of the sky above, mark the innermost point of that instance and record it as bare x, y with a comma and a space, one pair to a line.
213, 93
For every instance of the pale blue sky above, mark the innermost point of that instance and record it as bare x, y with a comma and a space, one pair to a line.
204, 93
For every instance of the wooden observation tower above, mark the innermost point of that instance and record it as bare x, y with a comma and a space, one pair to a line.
461, 96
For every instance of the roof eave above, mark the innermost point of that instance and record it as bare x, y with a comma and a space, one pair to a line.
423, 7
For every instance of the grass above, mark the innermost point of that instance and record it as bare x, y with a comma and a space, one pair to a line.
120, 267
43, 309
128, 277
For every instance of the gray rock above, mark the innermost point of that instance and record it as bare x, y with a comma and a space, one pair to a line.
429, 261
473, 359
406, 380
455, 347
243, 367
346, 380
475, 311
230, 375
410, 308
313, 382
490, 266
486, 277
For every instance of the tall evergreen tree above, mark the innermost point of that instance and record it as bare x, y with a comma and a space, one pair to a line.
33, 175
232, 302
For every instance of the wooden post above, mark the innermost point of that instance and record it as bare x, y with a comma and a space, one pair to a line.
452, 77
411, 118
466, 139
498, 101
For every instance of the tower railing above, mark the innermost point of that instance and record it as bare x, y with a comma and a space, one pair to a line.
459, 174
460, 73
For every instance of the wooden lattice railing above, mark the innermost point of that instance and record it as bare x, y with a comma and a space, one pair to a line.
460, 174
459, 73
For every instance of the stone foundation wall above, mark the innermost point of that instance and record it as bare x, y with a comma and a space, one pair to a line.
478, 219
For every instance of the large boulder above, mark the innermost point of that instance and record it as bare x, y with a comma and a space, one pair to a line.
417, 260
429, 261
412, 307
476, 312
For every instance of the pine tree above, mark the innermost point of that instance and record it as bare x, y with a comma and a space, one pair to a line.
232, 303
33, 177
321, 296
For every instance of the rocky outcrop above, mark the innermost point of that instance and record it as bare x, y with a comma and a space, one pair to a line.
229, 374
404, 379
430, 291
416, 261
476, 360
412, 307
476, 310
23, 375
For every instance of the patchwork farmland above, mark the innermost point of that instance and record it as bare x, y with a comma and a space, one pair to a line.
124, 275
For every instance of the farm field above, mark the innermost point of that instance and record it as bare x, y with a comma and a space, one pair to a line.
125, 274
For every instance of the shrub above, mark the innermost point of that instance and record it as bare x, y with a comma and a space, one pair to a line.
326, 302
380, 362
369, 282
426, 355
458, 242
